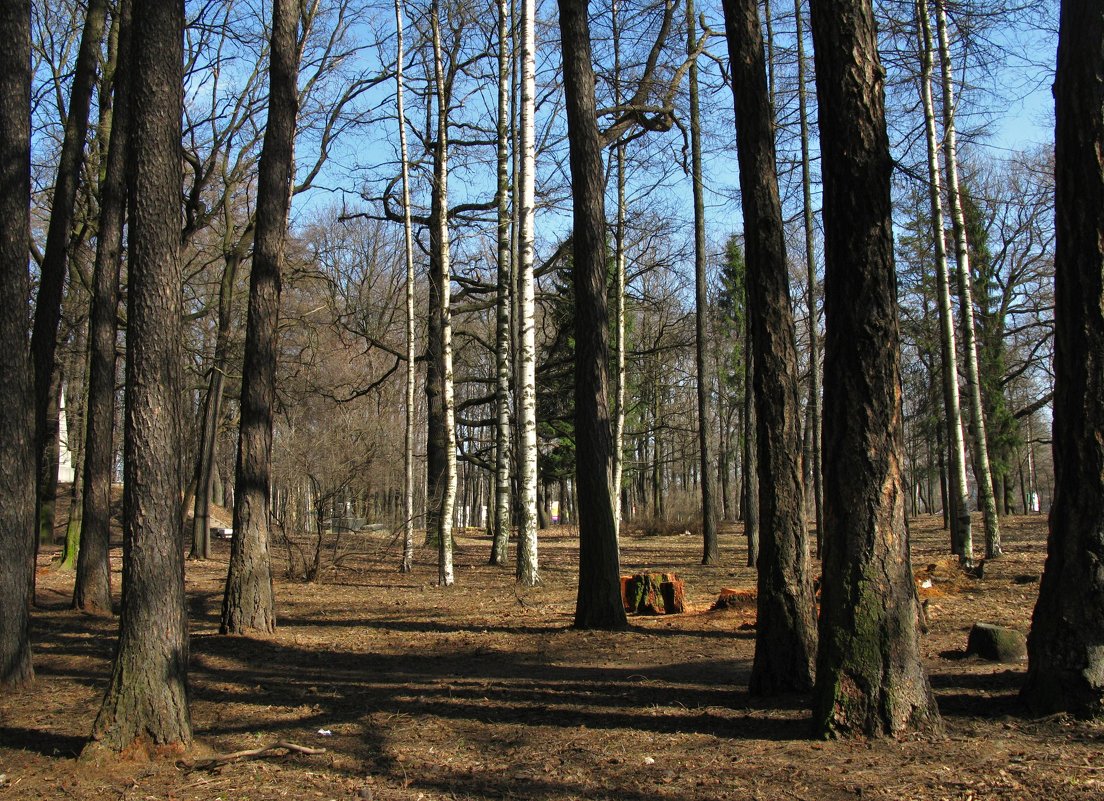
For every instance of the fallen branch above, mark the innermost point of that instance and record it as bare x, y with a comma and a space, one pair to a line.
252, 753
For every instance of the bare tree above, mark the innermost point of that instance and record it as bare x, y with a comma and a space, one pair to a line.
869, 678
17, 453
147, 699
785, 641
1065, 662
248, 602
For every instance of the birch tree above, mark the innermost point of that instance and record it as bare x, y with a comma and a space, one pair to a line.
962, 538
527, 571
965, 293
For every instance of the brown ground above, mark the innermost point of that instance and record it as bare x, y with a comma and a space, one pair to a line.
482, 691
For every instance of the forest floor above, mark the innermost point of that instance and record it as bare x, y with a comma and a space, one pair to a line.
483, 690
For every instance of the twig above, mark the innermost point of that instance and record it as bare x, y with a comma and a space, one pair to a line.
253, 753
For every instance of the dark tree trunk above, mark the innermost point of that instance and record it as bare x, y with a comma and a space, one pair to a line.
92, 592
870, 680
55, 259
212, 408
785, 637
751, 460
710, 548
437, 430
598, 605
248, 604
17, 454
1065, 661
147, 697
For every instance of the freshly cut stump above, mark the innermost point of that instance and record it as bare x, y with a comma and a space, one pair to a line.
653, 594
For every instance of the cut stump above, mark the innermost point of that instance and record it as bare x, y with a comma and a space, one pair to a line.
653, 594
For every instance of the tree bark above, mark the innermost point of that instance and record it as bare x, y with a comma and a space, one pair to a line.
598, 604
810, 282
528, 573
442, 278
710, 547
785, 638
961, 524
407, 562
870, 680
17, 419
750, 451
55, 259
147, 697
1065, 661
982, 471
92, 591
248, 603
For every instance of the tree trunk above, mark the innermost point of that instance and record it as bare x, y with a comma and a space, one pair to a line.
248, 603
443, 277
17, 419
710, 547
527, 565
618, 289
407, 562
965, 297
598, 605
92, 591
1065, 661
147, 697
810, 283
55, 260
870, 680
785, 639
961, 533
751, 459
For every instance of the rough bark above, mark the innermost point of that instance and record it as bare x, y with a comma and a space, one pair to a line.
961, 524
55, 259
710, 546
785, 637
598, 604
1065, 657
750, 450
17, 453
810, 282
248, 603
870, 680
92, 590
147, 697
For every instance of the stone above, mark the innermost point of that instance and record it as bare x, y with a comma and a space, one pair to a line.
995, 643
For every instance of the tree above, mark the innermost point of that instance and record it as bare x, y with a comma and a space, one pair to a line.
17, 453
598, 605
965, 295
527, 566
407, 562
711, 549
785, 635
147, 698
248, 603
870, 680
92, 590
55, 259
961, 535
1065, 661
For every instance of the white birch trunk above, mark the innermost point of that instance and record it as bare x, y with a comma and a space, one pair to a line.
501, 512
407, 563
965, 295
961, 528
618, 297
445, 575
527, 565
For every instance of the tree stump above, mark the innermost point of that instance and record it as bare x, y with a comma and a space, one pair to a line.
653, 594
996, 644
